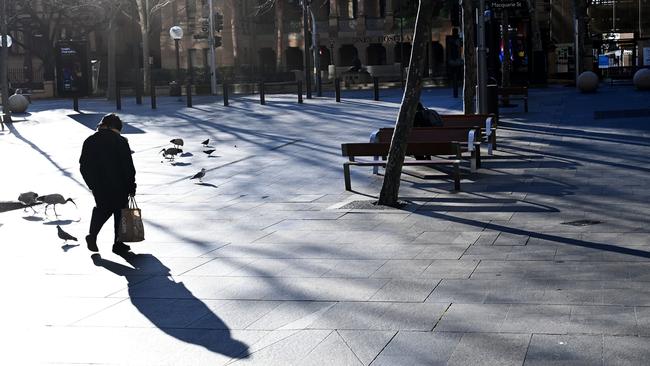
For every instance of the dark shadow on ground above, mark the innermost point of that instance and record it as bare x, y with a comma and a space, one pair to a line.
91, 120
160, 313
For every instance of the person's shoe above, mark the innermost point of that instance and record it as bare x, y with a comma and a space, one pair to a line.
120, 248
92, 243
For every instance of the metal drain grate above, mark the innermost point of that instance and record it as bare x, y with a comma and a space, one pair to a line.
582, 222
622, 113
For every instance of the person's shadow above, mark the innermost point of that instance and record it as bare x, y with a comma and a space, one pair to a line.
149, 265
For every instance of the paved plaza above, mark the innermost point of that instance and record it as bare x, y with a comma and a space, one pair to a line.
543, 258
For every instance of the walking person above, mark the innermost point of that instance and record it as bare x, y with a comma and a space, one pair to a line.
107, 168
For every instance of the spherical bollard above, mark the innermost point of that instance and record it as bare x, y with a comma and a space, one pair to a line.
587, 82
641, 79
18, 103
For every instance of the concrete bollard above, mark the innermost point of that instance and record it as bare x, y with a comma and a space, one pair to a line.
262, 98
225, 93
153, 96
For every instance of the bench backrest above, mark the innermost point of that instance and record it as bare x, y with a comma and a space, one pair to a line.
468, 120
417, 148
430, 134
514, 90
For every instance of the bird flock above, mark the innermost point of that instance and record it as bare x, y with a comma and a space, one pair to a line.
31, 199
170, 154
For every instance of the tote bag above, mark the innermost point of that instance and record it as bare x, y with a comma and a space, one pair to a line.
131, 227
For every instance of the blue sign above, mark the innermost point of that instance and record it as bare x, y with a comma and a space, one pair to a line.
603, 61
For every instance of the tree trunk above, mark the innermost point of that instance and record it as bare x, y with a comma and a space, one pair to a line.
580, 15
232, 4
143, 15
469, 57
279, 34
111, 60
390, 189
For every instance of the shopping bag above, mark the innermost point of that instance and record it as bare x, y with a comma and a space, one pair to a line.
131, 227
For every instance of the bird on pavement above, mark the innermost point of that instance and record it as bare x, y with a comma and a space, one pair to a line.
206, 142
171, 152
209, 151
199, 175
54, 199
63, 235
29, 200
177, 142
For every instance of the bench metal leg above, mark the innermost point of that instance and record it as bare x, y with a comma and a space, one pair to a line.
494, 141
526, 105
478, 156
346, 177
473, 161
456, 177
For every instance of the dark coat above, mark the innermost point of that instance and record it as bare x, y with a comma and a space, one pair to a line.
107, 165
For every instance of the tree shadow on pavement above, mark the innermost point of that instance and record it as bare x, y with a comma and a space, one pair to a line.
164, 314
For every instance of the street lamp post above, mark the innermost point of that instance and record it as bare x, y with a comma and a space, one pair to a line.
176, 33
305, 33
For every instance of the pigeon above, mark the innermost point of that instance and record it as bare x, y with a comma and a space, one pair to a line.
199, 175
209, 151
177, 142
170, 153
63, 235
54, 199
29, 199
206, 142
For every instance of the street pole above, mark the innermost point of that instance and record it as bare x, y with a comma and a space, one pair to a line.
178, 62
316, 48
213, 57
305, 32
3, 72
401, 44
482, 60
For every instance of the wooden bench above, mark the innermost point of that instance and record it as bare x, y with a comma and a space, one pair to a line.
354, 150
469, 139
519, 92
487, 122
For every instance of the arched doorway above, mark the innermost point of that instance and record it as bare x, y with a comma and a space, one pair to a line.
266, 60
402, 49
347, 54
324, 57
293, 55
376, 54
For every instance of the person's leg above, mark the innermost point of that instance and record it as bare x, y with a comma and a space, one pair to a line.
119, 246
100, 215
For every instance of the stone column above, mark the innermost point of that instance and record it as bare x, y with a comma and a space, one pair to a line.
361, 18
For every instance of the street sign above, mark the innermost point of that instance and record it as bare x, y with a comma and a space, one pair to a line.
506, 4
603, 62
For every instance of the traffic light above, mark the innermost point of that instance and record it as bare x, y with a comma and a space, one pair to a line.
217, 41
218, 22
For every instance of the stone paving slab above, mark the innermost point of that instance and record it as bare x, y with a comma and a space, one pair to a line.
263, 264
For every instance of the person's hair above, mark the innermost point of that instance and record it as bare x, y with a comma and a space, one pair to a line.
111, 121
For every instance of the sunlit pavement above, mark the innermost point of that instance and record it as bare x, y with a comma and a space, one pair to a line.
542, 259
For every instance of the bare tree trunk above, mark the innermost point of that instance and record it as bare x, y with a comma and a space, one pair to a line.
390, 189
534, 27
469, 57
279, 25
232, 4
111, 61
143, 15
